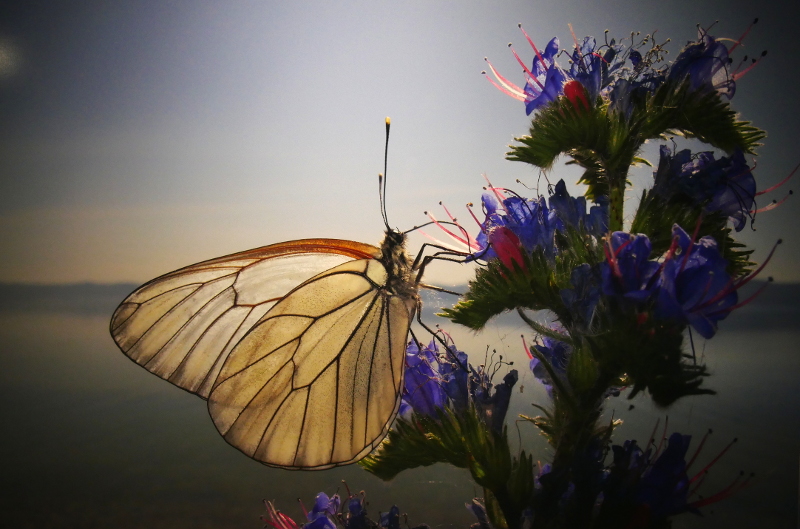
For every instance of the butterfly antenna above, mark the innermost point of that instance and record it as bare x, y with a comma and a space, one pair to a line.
382, 177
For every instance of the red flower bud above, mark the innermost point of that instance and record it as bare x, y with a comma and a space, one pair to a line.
576, 93
507, 247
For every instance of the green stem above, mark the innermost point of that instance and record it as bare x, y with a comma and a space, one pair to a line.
543, 330
578, 427
616, 202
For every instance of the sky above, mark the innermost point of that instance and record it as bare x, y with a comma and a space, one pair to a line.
138, 137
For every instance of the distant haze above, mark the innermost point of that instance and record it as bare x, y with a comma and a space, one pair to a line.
139, 137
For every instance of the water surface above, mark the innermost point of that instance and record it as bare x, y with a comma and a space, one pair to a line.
93, 440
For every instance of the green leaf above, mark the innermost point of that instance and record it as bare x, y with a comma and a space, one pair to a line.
463, 440
536, 285
497, 289
702, 115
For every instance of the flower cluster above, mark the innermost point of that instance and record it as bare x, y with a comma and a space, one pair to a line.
620, 73
514, 224
689, 285
621, 288
723, 186
436, 380
327, 513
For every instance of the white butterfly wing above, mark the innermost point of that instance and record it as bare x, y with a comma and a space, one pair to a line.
316, 382
183, 325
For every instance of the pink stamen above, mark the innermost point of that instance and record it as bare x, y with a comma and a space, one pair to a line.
535, 49
452, 218
442, 243
506, 92
691, 242
699, 448
507, 86
774, 204
303, 507
779, 184
448, 337
663, 438
528, 73
611, 257
699, 484
527, 349
497, 194
278, 519
738, 75
727, 492
729, 288
480, 225
713, 461
653, 435
745, 302
574, 38
758, 270
450, 233
621, 246
753, 23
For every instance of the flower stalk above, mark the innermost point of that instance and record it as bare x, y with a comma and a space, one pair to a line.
621, 302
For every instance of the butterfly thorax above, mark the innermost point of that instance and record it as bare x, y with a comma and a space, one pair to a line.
394, 258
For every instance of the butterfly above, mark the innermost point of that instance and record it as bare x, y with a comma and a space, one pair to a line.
298, 347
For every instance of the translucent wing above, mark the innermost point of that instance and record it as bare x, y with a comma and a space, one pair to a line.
183, 325
316, 382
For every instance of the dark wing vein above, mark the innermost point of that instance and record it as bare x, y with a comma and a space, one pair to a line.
174, 307
336, 358
222, 351
191, 319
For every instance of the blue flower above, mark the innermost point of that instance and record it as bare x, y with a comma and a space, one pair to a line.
664, 488
572, 211
528, 219
548, 79
587, 67
628, 271
324, 508
691, 286
391, 519
626, 93
533, 223
434, 381
582, 299
725, 186
356, 515
477, 508
695, 287
649, 486
545, 79
423, 391
493, 406
595, 69
557, 354
704, 65
455, 379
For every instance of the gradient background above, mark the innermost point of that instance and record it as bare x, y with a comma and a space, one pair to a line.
139, 137
142, 136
